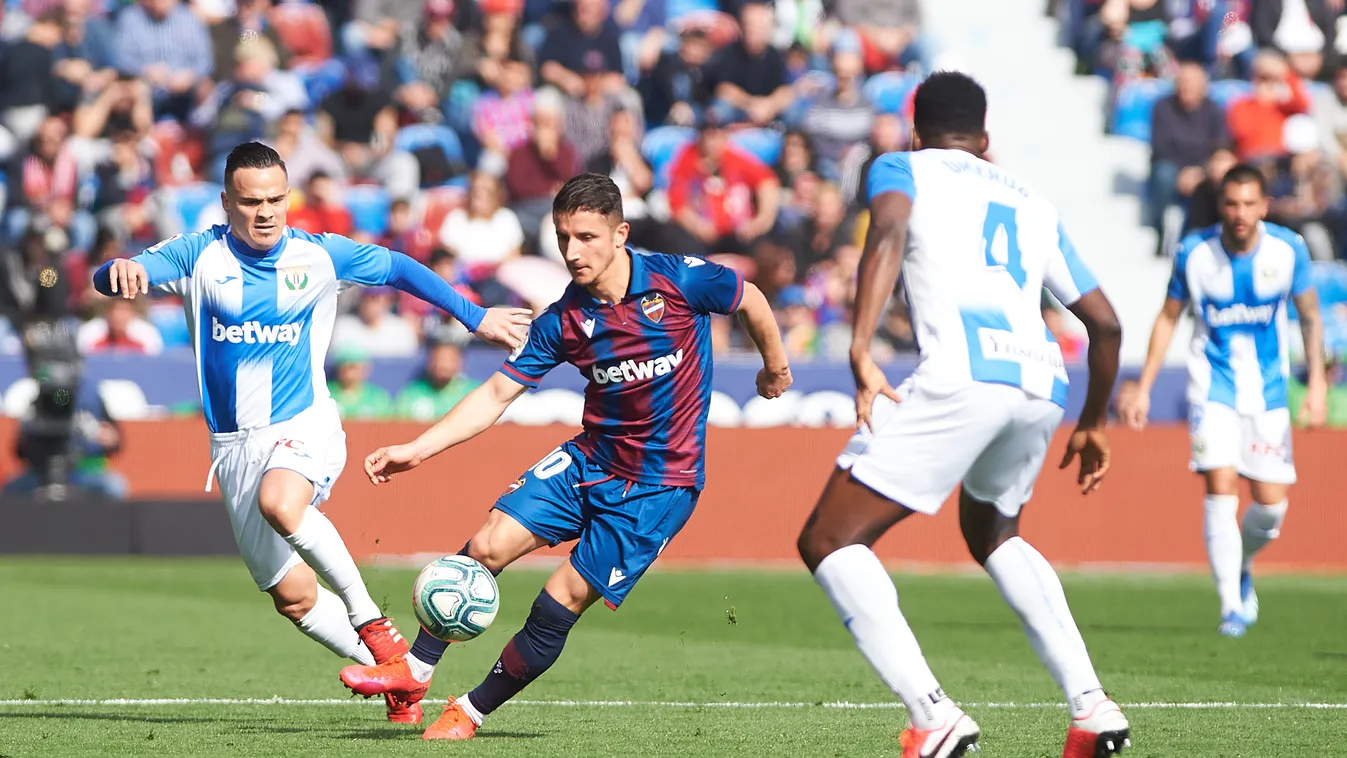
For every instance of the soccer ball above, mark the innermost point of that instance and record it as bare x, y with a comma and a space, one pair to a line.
455, 598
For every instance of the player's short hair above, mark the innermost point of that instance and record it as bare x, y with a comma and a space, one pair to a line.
948, 103
251, 155
595, 193
1244, 173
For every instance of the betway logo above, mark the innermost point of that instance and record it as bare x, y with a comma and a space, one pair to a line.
255, 332
1240, 314
636, 371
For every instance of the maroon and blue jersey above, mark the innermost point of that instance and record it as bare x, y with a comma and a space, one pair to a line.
648, 362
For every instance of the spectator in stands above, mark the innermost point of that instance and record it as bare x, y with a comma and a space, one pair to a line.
797, 172
890, 32
585, 41
248, 21
121, 329
123, 105
1134, 40
238, 110
1255, 122
375, 328
44, 187
361, 124
842, 116
84, 300
1304, 188
322, 210
1306, 30
886, 136
623, 163
83, 59
1203, 210
748, 76
350, 387
539, 167
721, 198
406, 234
164, 43
26, 81
439, 387
678, 87
1330, 108
588, 116
126, 202
376, 25
1186, 128
303, 150
643, 36
795, 314
501, 40
482, 237
827, 228
502, 117
433, 54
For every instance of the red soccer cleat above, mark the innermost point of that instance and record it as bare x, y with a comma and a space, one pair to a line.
958, 736
403, 711
392, 678
1101, 733
453, 724
383, 639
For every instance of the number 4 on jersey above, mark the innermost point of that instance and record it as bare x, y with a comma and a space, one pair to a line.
1000, 239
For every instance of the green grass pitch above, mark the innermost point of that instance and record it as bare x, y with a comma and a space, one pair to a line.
100, 629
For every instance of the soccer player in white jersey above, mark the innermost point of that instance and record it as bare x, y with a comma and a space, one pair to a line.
975, 248
261, 300
1236, 279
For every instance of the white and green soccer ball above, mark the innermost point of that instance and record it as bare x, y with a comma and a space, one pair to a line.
455, 598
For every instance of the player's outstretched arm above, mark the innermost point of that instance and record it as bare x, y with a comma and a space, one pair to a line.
756, 314
505, 327
1136, 407
474, 414
167, 261
1314, 411
878, 275
1088, 441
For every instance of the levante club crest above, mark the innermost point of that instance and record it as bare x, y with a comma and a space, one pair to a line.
296, 279
653, 307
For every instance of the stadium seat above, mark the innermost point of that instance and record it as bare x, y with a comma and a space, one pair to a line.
1136, 99
304, 30
761, 412
661, 145
763, 144
724, 411
1226, 91
556, 407
890, 91
418, 136
368, 205
827, 408
124, 400
20, 396
322, 79
436, 203
192, 200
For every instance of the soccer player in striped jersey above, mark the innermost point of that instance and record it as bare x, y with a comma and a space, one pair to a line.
261, 301
637, 326
1237, 278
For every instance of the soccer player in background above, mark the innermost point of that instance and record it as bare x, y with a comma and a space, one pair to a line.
1236, 278
638, 325
975, 247
261, 300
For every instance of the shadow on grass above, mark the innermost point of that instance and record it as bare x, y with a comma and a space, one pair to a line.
415, 734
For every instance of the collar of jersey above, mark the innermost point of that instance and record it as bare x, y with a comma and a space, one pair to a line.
1262, 235
239, 247
640, 282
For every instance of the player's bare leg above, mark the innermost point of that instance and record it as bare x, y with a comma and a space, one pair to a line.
1220, 530
835, 545
285, 501
1031, 588
526, 656
1261, 524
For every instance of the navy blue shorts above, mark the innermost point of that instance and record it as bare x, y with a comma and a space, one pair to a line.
621, 526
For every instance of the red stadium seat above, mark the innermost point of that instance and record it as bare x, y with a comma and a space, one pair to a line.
437, 202
304, 31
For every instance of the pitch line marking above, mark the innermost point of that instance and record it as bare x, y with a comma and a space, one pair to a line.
151, 702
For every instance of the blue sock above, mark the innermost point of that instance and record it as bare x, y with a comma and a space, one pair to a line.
428, 649
527, 655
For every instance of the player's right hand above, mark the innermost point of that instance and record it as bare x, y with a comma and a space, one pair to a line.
870, 383
128, 278
382, 464
1134, 408
1092, 447
505, 327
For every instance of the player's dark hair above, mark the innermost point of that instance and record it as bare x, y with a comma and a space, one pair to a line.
595, 193
1245, 173
250, 155
949, 103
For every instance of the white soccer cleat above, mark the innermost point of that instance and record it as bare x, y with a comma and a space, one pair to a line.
957, 737
1249, 598
1102, 732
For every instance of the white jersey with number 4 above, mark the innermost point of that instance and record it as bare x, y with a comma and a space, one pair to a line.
980, 248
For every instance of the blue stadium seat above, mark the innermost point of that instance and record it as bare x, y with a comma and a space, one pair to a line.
763, 144
192, 199
1226, 91
418, 136
661, 145
368, 205
322, 80
1136, 100
889, 91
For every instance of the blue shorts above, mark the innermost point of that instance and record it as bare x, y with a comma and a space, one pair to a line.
621, 526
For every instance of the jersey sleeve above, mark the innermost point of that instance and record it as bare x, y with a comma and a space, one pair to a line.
366, 265
1067, 277
540, 353
168, 264
710, 287
1178, 281
891, 173
1302, 275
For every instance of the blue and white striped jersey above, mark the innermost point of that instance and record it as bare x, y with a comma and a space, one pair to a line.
1239, 353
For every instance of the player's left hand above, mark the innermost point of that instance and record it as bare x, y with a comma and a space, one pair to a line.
1092, 447
1314, 411
773, 384
505, 327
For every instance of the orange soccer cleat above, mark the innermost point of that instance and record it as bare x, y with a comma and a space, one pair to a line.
383, 639
392, 678
1101, 733
403, 710
453, 724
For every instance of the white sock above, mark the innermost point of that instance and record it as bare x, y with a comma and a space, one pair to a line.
477, 716
1262, 524
866, 600
1031, 588
421, 671
326, 623
318, 543
1224, 548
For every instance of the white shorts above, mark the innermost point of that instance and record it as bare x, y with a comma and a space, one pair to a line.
992, 438
312, 444
1257, 445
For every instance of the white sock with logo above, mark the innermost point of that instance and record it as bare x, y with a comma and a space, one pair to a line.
1261, 525
1224, 549
318, 543
326, 623
866, 600
1031, 588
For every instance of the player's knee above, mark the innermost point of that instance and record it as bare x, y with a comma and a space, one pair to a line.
487, 550
295, 603
815, 544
